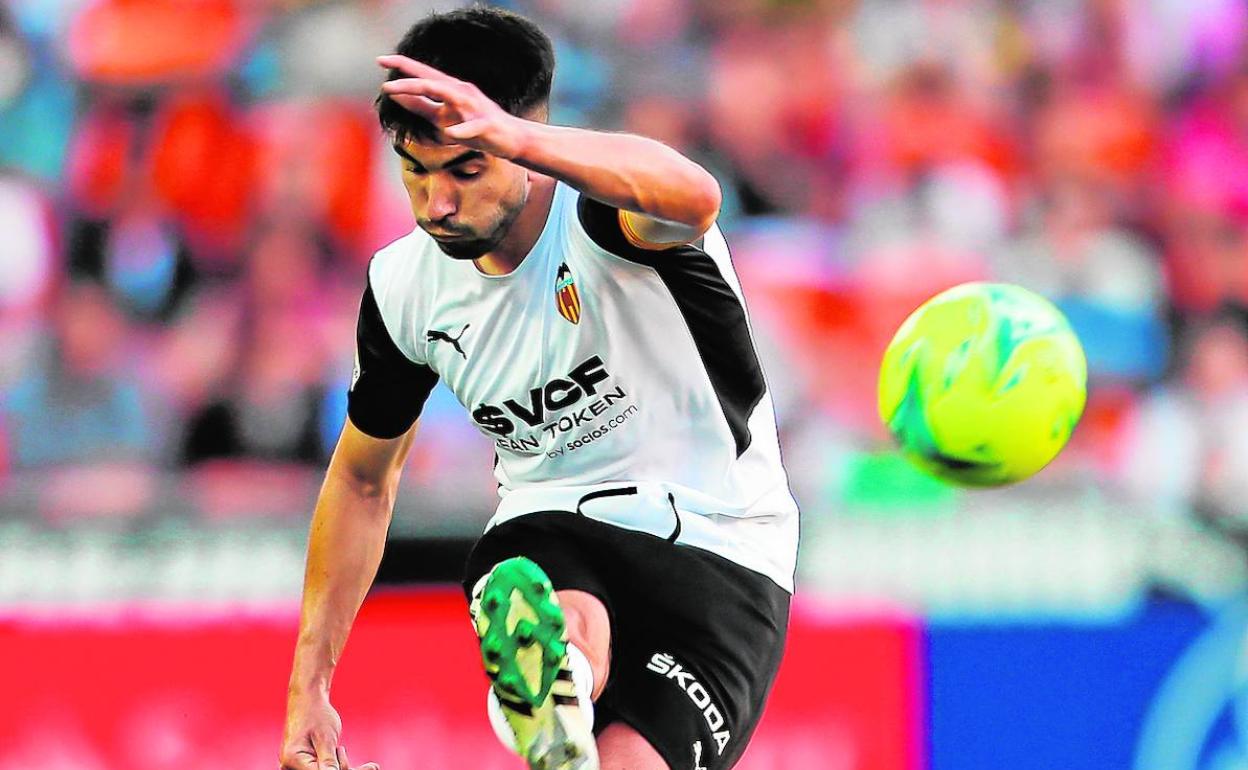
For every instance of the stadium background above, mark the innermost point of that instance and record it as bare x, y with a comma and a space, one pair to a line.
190, 191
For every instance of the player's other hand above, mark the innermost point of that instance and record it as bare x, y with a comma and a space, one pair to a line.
458, 108
311, 739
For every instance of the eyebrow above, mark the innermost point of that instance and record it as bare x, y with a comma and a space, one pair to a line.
462, 158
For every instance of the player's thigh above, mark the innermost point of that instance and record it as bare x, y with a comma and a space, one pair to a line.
620, 747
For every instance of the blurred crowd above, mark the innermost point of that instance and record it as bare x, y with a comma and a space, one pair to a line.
190, 191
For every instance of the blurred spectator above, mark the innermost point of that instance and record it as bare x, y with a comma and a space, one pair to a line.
1105, 276
1206, 203
1093, 125
79, 400
268, 409
931, 119
775, 111
1188, 441
268, 401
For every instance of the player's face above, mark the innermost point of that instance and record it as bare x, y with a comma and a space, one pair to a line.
465, 199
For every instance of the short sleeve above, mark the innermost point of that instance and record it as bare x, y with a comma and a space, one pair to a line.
602, 224
388, 390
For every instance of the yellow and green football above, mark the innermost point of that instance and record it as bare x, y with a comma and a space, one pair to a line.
983, 384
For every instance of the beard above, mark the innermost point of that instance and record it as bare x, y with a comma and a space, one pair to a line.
470, 248
475, 248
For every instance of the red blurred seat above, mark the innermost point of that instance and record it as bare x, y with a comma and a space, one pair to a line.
134, 42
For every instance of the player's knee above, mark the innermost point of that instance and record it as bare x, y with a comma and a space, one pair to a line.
589, 629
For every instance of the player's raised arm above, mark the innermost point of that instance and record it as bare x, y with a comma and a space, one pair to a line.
665, 197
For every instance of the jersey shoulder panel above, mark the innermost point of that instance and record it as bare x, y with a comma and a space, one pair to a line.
388, 390
601, 223
401, 284
389, 386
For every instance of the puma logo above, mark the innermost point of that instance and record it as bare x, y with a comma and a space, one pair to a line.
436, 335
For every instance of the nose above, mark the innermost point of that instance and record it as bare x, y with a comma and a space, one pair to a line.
442, 201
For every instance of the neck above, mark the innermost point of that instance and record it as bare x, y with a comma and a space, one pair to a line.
523, 234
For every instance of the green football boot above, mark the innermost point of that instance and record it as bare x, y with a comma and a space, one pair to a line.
524, 646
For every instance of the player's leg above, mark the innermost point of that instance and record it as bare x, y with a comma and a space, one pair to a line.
539, 701
693, 642
589, 632
620, 747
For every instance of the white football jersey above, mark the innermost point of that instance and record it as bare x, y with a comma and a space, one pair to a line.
615, 382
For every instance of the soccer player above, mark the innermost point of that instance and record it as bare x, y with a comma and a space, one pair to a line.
631, 592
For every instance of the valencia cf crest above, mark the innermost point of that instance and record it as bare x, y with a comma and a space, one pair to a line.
567, 298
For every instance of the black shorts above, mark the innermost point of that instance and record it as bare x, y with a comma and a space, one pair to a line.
695, 639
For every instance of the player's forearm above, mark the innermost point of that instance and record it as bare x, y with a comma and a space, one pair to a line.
345, 544
625, 171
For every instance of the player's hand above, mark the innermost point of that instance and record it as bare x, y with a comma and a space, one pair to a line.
313, 728
463, 114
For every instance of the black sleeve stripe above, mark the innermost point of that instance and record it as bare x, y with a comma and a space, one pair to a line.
711, 309
602, 223
389, 389
717, 321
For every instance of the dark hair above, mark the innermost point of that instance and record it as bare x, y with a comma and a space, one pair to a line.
504, 54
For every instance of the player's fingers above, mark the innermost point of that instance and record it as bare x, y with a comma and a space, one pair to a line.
466, 130
345, 764
412, 67
299, 760
427, 100
326, 752
443, 92
421, 105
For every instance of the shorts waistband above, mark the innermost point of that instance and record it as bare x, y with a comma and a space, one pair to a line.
641, 507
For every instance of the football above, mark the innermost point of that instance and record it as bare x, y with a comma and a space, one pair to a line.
983, 384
